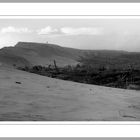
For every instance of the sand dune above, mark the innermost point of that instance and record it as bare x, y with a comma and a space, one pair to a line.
30, 97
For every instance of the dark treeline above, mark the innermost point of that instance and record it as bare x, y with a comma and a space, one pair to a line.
120, 78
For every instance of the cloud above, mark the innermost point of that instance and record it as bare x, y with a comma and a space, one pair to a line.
81, 31
69, 31
11, 29
47, 30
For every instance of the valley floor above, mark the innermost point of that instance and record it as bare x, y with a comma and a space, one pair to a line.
30, 97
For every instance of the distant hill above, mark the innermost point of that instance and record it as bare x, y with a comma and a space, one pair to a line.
111, 59
30, 53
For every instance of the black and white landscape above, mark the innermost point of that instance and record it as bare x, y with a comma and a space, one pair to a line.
70, 70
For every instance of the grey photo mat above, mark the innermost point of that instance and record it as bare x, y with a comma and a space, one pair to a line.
69, 1
66, 138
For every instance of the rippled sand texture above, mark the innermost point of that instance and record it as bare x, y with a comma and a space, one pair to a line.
30, 97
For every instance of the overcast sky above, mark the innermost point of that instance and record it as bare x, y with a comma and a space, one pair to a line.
114, 34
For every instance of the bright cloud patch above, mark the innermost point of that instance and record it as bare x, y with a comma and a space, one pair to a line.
47, 30
81, 31
11, 29
55, 31
69, 31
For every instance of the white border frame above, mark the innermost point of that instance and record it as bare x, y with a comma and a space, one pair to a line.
70, 9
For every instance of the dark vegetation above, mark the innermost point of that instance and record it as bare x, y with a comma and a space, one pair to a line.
120, 69
124, 76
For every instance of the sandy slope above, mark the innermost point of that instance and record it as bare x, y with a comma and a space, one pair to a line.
44, 99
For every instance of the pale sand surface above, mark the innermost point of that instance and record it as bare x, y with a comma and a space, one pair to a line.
40, 98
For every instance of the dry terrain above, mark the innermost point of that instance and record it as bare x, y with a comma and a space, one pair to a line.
30, 97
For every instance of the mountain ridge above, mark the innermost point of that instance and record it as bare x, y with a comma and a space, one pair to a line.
31, 53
